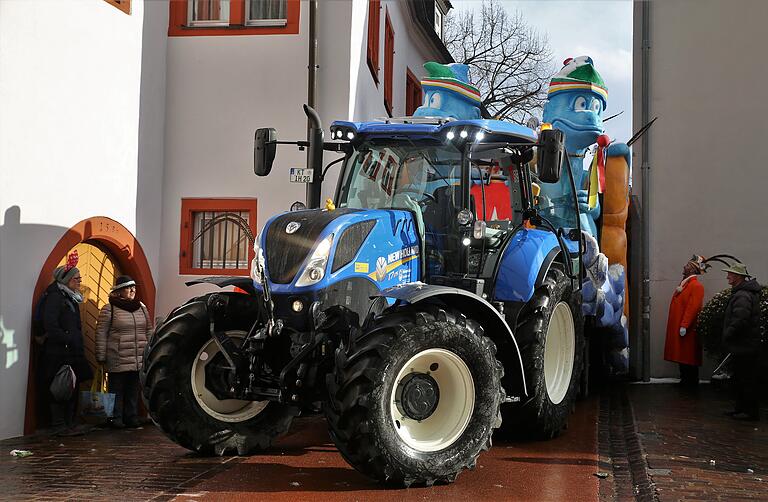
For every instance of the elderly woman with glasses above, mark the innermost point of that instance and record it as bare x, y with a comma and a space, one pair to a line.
63, 345
122, 332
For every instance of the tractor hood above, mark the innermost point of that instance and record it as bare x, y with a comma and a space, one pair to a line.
379, 245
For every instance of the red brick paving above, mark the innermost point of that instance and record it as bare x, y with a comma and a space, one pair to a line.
304, 465
693, 451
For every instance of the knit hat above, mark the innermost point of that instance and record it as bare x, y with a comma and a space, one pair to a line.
123, 281
738, 269
66, 272
579, 74
453, 77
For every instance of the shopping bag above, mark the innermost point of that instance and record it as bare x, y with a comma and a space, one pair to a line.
97, 402
63, 384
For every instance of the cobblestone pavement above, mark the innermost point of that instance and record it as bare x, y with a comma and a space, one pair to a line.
694, 452
304, 465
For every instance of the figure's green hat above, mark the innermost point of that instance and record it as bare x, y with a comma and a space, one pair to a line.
579, 74
453, 77
738, 269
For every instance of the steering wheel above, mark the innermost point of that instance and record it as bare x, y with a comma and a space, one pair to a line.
426, 197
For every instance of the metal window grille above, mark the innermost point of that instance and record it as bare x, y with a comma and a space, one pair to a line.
266, 12
221, 239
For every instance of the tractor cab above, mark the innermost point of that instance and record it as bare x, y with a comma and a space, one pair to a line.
467, 184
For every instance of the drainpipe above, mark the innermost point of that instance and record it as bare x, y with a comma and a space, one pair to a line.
646, 195
314, 128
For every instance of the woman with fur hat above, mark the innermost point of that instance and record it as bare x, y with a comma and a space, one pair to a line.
682, 344
64, 339
121, 333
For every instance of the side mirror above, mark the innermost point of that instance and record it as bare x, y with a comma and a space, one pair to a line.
264, 148
550, 155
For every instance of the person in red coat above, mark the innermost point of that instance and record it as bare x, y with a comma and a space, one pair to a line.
682, 345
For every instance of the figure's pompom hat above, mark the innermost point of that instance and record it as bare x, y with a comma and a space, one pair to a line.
453, 77
65, 273
579, 74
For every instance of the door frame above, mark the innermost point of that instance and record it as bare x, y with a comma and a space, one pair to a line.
130, 257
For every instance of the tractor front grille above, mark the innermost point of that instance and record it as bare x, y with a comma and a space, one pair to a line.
286, 252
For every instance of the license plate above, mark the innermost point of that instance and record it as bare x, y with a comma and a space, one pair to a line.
301, 175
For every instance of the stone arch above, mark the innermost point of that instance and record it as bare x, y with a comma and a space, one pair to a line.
123, 247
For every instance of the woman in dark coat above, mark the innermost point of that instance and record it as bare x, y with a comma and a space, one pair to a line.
63, 339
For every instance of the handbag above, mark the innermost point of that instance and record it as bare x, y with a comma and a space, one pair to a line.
97, 402
63, 385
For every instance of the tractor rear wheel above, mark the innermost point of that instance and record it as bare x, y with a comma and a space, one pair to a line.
415, 399
550, 331
173, 378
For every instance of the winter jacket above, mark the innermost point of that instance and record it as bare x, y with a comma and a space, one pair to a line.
120, 338
63, 336
683, 309
741, 325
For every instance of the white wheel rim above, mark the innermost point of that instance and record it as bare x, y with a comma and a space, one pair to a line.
454, 408
559, 350
226, 410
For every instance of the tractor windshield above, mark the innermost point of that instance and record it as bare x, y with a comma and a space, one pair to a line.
392, 175
421, 177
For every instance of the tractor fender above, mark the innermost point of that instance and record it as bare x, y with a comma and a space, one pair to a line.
524, 264
244, 283
478, 309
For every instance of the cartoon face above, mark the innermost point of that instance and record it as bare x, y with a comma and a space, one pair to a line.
579, 114
446, 104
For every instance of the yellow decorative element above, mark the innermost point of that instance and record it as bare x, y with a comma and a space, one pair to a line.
329, 205
594, 183
393, 266
536, 189
545, 126
361, 267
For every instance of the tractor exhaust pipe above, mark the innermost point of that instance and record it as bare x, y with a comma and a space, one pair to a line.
315, 137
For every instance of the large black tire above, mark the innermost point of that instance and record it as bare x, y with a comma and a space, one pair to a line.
202, 424
376, 436
551, 392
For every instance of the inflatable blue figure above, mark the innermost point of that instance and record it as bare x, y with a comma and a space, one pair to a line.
577, 98
448, 93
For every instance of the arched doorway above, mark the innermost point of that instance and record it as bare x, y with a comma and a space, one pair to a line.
106, 249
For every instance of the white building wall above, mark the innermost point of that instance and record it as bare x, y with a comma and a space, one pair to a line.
708, 178
219, 91
69, 94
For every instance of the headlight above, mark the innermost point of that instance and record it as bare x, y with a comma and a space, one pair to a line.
315, 269
258, 254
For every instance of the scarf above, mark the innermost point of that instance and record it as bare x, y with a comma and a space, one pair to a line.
684, 282
122, 303
75, 296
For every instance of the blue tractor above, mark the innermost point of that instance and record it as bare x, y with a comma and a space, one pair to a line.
421, 320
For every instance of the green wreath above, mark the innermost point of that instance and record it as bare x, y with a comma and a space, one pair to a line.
710, 320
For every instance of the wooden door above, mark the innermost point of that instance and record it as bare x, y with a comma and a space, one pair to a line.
98, 270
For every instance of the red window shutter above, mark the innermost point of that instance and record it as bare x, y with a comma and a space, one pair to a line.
374, 17
413, 95
389, 60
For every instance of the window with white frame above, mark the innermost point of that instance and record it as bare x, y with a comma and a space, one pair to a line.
208, 13
438, 21
266, 12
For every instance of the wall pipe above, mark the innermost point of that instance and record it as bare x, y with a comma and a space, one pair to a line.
646, 195
313, 134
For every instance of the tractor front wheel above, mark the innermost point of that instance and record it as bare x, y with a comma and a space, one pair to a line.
177, 362
415, 399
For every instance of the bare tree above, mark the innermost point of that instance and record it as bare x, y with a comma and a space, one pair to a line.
508, 60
